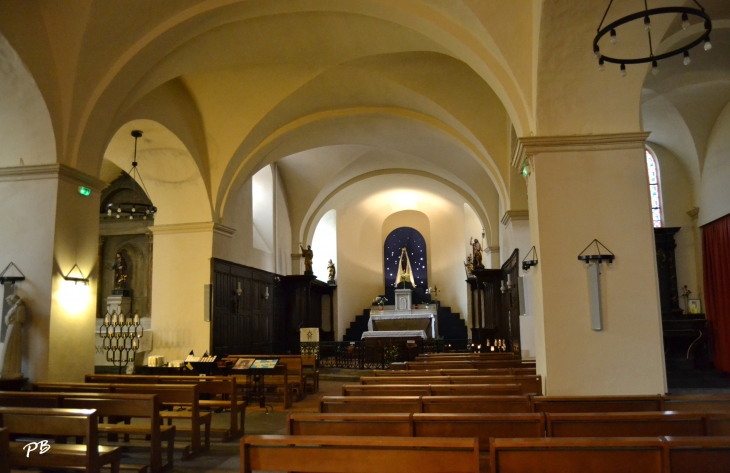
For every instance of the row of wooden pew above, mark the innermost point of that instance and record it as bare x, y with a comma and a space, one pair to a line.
369, 431
131, 406
457, 455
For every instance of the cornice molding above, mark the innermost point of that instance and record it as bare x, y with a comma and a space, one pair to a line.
52, 171
493, 249
694, 213
515, 215
532, 145
197, 227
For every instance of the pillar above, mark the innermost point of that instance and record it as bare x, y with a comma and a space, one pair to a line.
582, 188
47, 228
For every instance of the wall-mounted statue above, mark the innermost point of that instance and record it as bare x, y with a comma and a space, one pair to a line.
330, 271
120, 272
307, 254
477, 250
11, 354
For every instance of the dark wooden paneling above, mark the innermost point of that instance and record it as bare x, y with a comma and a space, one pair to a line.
245, 323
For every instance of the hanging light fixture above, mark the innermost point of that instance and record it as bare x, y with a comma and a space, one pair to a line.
645, 17
139, 204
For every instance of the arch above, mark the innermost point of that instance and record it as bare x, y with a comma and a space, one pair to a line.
306, 229
27, 132
170, 173
262, 209
263, 152
324, 243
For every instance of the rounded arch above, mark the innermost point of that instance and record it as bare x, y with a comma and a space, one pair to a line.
280, 143
171, 176
315, 214
26, 130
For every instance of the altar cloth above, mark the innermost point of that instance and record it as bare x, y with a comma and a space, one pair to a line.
397, 315
395, 333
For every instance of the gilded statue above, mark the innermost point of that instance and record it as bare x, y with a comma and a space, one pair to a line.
477, 252
307, 255
120, 272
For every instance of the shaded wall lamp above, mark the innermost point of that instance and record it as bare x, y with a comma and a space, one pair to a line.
76, 279
593, 263
529, 261
11, 279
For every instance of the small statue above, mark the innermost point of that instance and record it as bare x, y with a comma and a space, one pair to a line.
11, 354
330, 271
477, 249
308, 255
469, 267
120, 272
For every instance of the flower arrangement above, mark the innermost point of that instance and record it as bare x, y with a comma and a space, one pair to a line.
390, 353
380, 301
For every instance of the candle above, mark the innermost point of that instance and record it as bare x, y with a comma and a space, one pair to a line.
136, 319
114, 318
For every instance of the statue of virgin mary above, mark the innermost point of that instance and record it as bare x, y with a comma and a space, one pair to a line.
404, 270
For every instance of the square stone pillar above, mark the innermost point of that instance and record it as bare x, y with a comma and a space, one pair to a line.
582, 188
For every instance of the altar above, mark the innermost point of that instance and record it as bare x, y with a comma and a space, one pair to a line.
403, 317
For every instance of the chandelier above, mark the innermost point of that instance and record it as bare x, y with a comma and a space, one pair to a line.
138, 203
645, 16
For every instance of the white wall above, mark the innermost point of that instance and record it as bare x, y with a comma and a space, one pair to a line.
715, 191
324, 245
283, 230
262, 207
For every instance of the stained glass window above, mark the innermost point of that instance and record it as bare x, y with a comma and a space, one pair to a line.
654, 192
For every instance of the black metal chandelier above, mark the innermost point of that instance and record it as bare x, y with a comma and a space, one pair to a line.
139, 206
645, 15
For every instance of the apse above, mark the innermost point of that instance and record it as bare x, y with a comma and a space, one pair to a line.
415, 245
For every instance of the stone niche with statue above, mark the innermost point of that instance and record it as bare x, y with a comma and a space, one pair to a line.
125, 250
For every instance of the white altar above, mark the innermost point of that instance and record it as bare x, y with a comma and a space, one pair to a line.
403, 316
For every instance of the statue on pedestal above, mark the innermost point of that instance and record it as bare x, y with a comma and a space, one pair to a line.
307, 255
405, 275
120, 272
330, 272
11, 354
477, 250
469, 267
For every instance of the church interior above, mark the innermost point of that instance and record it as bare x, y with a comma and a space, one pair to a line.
226, 173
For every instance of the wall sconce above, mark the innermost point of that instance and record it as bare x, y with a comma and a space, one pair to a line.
266, 293
506, 287
593, 262
76, 279
529, 261
11, 279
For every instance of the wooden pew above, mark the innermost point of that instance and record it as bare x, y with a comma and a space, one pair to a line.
109, 405
358, 454
370, 404
4, 451
476, 404
169, 395
578, 455
450, 365
626, 424
568, 404
698, 454
487, 356
459, 372
139, 406
390, 425
529, 384
404, 380
476, 389
386, 390
223, 386
50, 423
177, 395
697, 403
481, 426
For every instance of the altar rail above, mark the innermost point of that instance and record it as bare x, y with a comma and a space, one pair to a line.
377, 355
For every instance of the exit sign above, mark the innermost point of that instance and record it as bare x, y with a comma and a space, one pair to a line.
84, 191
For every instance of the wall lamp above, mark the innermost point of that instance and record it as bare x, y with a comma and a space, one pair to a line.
593, 263
11, 279
76, 279
529, 261
266, 293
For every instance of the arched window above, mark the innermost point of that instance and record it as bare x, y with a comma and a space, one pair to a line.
655, 192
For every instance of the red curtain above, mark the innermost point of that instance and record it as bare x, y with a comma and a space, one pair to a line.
716, 271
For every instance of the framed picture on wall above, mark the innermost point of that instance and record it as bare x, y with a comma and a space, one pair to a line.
694, 306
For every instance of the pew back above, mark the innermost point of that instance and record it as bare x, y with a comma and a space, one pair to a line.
625, 424
568, 404
476, 404
370, 404
391, 425
698, 454
330, 454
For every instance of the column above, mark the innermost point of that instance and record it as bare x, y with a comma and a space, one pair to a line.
582, 188
48, 227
